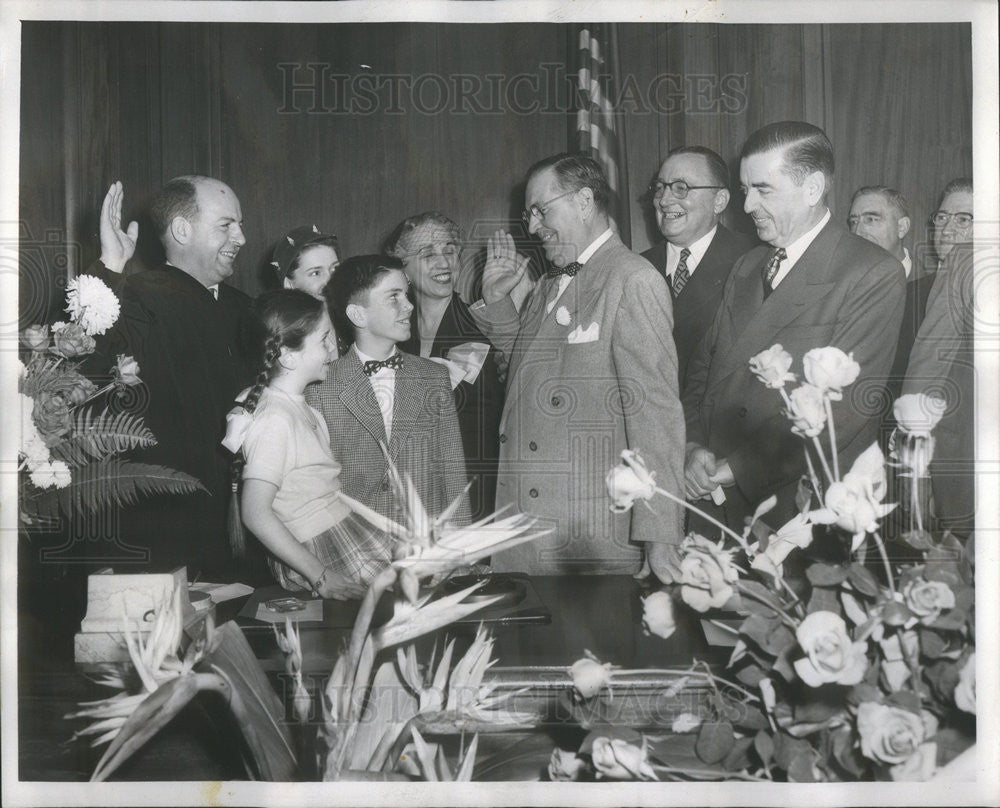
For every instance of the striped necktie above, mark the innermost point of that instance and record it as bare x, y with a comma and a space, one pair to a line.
681, 273
770, 271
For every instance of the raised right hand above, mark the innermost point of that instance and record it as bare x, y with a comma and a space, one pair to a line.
117, 245
505, 270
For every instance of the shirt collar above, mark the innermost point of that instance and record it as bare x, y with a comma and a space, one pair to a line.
365, 358
594, 246
793, 252
697, 250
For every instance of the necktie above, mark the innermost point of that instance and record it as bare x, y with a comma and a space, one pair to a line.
569, 269
770, 271
681, 273
373, 366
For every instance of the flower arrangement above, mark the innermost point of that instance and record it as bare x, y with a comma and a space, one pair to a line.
376, 706
845, 670
70, 454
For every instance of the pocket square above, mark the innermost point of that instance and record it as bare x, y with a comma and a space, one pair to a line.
580, 334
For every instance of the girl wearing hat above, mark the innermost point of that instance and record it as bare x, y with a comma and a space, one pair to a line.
306, 259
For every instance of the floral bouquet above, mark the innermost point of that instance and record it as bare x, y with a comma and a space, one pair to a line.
69, 456
843, 672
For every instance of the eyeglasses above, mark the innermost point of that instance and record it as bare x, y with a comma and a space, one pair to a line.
542, 209
678, 188
428, 251
942, 217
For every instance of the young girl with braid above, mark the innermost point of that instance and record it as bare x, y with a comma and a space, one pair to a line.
291, 492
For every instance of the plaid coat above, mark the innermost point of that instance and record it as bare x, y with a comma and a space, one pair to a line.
426, 443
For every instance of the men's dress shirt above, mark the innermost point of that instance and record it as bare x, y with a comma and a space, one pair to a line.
564, 280
581, 387
695, 306
795, 250
844, 292
383, 383
696, 251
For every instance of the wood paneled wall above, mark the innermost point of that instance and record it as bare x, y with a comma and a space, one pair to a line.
143, 102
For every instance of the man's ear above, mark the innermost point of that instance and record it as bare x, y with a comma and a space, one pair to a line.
180, 229
903, 226
357, 314
586, 201
720, 201
815, 185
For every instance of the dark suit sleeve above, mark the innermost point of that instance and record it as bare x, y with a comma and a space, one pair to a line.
448, 439
646, 363
867, 326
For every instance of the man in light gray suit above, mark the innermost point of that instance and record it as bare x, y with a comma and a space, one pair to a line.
593, 371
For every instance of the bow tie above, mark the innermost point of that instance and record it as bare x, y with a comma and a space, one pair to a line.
373, 366
569, 269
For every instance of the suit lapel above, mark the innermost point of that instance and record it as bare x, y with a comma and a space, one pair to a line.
408, 398
757, 322
358, 397
703, 288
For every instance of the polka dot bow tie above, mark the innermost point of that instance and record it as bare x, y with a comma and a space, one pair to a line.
373, 366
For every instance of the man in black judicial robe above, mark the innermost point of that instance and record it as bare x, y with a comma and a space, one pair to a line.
186, 329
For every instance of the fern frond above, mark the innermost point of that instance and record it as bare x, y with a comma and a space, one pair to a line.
98, 437
117, 482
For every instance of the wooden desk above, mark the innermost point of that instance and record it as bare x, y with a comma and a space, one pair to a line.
598, 613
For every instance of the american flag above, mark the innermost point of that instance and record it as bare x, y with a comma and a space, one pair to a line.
600, 128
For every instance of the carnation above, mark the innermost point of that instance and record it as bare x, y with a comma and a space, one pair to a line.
92, 304
52, 475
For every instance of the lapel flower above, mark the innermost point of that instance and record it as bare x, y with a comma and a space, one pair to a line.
562, 316
830, 369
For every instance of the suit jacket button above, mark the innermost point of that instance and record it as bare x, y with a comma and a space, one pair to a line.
743, 412
503, 438
533, 446
533, 493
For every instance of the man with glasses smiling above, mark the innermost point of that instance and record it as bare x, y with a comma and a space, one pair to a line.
689, 195
593, 371
941, 362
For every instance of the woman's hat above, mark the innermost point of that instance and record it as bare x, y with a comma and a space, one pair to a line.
293, 242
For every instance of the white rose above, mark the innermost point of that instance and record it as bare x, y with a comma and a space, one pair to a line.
918, 767
562, 316
707, 572
889, 734
565, 766
830, 369
965, 690
589, 677
617, 759
686, 722
831, 656
629, 481
771, 367
918, 414
807, 410
927, 599
658, 615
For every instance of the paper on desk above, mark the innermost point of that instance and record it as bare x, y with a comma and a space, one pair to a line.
220, 593
312, 612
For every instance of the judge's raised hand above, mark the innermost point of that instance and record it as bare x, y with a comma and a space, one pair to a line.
505, 272
117, 245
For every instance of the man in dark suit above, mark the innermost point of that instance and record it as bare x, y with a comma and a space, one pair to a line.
697, 252
376, 396
941, 362
812, 285
185, 328
880, 214
442, 329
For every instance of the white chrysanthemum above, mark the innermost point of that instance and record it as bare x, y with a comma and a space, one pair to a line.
92, 304
32, 447
52, 475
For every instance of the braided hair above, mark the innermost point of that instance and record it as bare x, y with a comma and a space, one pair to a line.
282, 318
